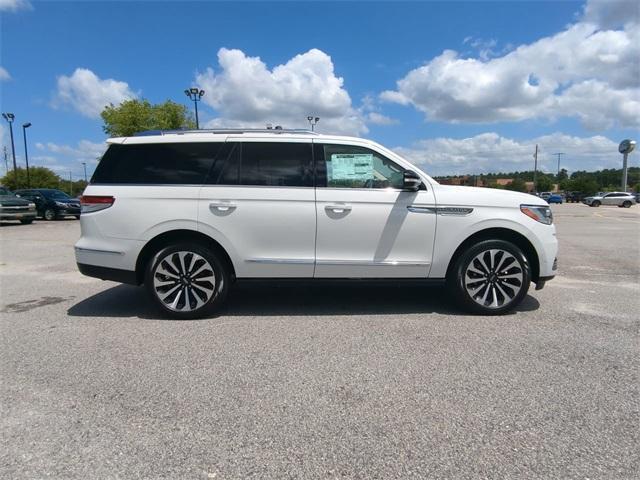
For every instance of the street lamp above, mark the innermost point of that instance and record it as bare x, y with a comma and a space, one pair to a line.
10, 117
625, 148
195, 94
26, 154
313, 121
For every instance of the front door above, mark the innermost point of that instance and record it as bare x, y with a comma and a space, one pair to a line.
368, 227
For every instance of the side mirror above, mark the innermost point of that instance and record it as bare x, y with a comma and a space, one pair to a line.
411, 181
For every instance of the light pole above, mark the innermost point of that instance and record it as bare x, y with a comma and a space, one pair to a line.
313, 121
625, 148
84, 164
26, 154
10, 117
195, 94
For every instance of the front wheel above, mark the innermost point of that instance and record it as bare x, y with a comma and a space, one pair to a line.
490, 278
595, 203
187, 281
49, 214
26, 221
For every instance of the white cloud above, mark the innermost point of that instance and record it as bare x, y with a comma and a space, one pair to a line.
553, 77
84, 151
63, 158
245, 92
4, 75
490, 152
380, 119
14, 5
85, 92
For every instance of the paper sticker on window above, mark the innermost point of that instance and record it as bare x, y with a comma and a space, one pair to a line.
351, 166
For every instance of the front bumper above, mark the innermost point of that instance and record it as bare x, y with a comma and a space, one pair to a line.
21, 215
543, 280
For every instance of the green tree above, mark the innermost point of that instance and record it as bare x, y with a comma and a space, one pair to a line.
562, 175
583, 184
544, 183
133, 116
40, 177
518, 185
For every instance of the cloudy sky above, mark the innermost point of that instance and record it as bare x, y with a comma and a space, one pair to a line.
457, 87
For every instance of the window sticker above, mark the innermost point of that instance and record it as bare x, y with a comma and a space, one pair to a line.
351, 166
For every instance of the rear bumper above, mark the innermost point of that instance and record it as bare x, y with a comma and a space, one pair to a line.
106, 273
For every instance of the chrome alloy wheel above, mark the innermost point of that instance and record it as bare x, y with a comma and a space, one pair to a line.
184, 281
493, 278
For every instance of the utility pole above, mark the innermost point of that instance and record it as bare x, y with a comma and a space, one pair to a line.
559, 154
84, 164
70, 185
535, 170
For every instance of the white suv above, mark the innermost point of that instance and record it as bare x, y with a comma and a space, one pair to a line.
189, 213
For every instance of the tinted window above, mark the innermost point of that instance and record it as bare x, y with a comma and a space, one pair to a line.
157, 163
349, 166
54, 194
276, 164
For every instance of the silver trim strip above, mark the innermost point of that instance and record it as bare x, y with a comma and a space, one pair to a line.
373, 263
281, 261
420, 209
93, 250
454, 211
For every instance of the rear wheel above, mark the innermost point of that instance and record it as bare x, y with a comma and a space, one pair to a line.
187, 281
626, 204
490, 278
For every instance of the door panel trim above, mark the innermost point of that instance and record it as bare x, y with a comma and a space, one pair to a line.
281, 261
374, 263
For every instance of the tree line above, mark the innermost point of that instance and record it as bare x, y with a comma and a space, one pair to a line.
607, 179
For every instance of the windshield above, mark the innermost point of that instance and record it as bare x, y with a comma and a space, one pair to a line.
4, 191
55, 194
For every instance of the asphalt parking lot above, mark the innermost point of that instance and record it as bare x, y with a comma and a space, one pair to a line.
323, 382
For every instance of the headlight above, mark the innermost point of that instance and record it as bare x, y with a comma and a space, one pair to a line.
61, 204
539, 213
32, 206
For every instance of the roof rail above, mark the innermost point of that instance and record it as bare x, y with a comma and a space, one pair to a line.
230, 131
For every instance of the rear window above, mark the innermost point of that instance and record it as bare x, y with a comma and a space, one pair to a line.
157, 163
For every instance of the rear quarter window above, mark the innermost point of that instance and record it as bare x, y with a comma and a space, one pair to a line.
157, 163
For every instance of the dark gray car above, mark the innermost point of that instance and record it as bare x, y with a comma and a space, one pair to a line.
14, 208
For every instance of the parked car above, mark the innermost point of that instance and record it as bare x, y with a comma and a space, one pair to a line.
621, 199
574, 197
51, 204
545, 195
554, 198
15, 208
187, 214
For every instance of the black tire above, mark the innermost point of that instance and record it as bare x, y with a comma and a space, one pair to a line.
77, 217
26, 221
626, 204
490, 286
595, 203
49, 214
198, 259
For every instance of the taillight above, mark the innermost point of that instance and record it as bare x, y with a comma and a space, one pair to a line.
95, 203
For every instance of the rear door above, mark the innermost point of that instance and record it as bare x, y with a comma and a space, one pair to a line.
261, 202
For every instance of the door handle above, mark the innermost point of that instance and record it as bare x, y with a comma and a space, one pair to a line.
338, 208
222, 206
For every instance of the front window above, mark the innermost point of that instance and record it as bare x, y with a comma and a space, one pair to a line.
4, 191
349, 166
